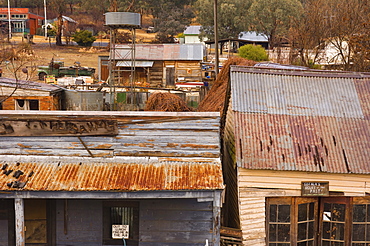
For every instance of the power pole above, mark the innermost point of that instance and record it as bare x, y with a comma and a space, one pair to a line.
216, 37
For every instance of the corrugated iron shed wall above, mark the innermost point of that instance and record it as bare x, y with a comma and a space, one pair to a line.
301, 120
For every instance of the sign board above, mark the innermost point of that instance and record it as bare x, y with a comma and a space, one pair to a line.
62, 127
120, 231
314, 188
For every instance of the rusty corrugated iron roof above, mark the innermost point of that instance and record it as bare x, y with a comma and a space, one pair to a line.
117, 174
301, 120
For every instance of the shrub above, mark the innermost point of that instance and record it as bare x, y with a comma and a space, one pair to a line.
253, 52
84, 38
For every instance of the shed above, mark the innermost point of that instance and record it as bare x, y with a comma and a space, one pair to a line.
29, 95
296, 156
191, 34
161, 65
93, 177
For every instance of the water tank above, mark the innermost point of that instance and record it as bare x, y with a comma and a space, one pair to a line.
123, 19
83, 100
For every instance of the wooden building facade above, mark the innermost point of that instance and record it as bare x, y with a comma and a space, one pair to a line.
91, 178
296, 156
29, 95
159, 65
22, 21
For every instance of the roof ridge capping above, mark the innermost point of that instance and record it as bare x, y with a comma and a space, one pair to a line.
280, 69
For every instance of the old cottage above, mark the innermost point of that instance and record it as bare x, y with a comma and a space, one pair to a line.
29, 95
297, 156
93, 178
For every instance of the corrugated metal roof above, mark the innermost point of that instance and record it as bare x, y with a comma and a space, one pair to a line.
28, 85
253, 37
192, 30
161, 52
301, 120
136, 64
118, 174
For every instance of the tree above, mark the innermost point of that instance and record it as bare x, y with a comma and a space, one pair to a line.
19, 60
177, 15
273, 18
59, 7
84, 38
253, 52
308, 34
232, 19
339, 25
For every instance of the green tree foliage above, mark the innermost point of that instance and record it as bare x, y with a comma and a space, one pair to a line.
274, 18
84, 38
170, 17
232, 18
253, 52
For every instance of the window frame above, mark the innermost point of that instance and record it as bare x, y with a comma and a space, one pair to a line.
27, 104
107, 225
294, 203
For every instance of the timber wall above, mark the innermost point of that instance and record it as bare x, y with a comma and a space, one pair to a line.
256, 185
162, 223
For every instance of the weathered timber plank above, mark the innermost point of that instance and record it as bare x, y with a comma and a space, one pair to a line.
57, 128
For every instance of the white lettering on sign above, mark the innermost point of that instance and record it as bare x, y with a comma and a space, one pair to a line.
120, 231
315, 188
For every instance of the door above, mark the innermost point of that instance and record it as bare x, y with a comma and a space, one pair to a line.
306, 221
317, 221
334, 221
170, 76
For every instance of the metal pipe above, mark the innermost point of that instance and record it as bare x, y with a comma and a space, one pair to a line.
10, 24
46, 26
216, 37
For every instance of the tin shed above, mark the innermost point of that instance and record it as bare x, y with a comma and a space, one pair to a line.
296, 156
93, 177
29, 95
160, 65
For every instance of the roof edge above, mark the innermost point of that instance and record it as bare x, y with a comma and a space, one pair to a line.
305, 73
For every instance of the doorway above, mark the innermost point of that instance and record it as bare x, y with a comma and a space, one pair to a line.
39, 222
318, 221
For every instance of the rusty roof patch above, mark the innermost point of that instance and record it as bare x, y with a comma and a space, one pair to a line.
109, 175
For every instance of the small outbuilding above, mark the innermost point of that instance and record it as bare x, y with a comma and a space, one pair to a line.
29, 95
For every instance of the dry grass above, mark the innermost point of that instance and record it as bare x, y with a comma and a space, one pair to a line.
166, 102
43, 52
215, 99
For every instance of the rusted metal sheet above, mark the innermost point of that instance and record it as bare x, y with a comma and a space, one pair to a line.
120, 174
294, 120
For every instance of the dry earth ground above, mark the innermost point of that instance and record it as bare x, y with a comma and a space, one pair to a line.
44, 52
